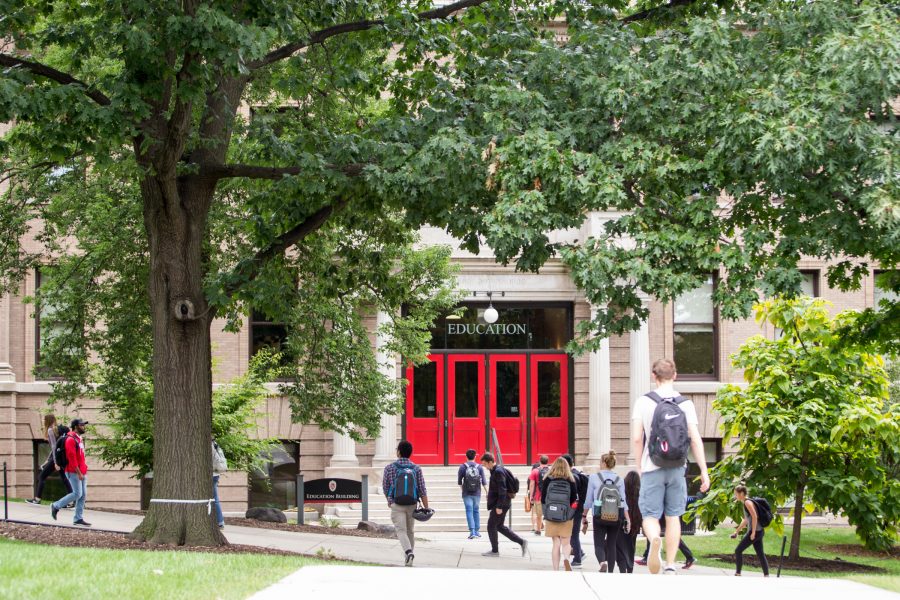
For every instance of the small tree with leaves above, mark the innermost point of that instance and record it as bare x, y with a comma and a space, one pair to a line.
812, 425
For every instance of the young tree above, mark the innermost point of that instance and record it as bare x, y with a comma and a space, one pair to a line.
812, 425
210, 157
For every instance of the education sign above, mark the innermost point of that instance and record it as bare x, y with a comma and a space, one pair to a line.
331, 491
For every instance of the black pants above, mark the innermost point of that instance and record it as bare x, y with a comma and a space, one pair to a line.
625, 552
577, 552
605, 536
47, 470
497, 524
688, 555
757, 544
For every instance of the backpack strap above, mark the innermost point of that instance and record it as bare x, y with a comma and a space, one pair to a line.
679, 399
654, 396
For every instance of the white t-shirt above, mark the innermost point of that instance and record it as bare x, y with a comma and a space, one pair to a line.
643, 411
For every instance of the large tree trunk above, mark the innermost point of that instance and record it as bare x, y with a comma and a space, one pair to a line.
798, 518
175, 220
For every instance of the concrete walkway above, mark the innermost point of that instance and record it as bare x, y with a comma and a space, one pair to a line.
433, 549
377, 583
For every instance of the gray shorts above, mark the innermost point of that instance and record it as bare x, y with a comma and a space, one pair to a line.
663, 491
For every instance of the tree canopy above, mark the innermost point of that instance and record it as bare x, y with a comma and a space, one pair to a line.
180, 162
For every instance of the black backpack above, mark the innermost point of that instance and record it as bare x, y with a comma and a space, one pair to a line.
471, 479
557, 507
763, 512
59, 453
669, 441
405, 490
512, 484
581, 481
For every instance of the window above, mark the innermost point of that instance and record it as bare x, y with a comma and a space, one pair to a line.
518, 327
809, 286
274, 484
46, 327
54, 489
696, 333
425, 391
882, 279
265, 333
713, 450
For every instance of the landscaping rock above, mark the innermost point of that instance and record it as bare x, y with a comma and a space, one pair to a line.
373, 527
271, 515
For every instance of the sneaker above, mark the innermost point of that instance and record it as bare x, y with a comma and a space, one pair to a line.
524, 548
567, 565
537, 533
34, 501
221, 525
689, 563
471, 536
491, 553
70, 505
53, 511
576, 563
478, 535
641, 561
654, 561
82, 522
670, 570
410, 557
603, 567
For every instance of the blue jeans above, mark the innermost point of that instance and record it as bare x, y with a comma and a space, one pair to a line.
220, 518
79, 490
473, 518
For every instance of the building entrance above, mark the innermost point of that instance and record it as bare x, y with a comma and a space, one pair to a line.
454, 400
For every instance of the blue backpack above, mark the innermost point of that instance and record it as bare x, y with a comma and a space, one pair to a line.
405, 491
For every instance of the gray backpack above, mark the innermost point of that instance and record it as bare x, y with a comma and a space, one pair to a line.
608, 502
220, 464
557, 506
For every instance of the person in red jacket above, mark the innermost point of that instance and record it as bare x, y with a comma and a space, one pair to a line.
76, 473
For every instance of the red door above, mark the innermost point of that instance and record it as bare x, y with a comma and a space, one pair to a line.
549, 404
508, 381
465, 405
425, 411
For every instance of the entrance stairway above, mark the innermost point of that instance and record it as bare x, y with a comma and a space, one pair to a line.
445, 498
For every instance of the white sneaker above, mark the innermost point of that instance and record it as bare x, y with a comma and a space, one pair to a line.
670, 570
654, 560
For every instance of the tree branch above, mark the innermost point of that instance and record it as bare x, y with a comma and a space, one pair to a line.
42, 70
259, 172
248, 270
652, 12
317, 37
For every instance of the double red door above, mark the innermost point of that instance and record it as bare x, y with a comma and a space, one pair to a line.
454, 401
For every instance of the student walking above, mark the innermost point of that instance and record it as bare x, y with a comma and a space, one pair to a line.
664, 427
754, 535
581, 480
607, 500
559, 493
538, 472
627, 540
52, 432
499, 499
404, 486
76, 471
689, 559
220, 465
471, 480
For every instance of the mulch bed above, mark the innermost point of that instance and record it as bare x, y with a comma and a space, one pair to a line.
241, 522
86, 538
822, 565
857, 550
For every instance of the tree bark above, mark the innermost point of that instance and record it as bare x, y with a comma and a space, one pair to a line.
798, 517
175, 220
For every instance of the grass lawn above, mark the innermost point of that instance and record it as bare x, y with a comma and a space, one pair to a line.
811, 542
125, 574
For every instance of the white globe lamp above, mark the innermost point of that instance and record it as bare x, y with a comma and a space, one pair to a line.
491, 315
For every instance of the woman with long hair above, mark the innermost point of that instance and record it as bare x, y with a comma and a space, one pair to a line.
610, 515
52, 434
627, 541
559, 496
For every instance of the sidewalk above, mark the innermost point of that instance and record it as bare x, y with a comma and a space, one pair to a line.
437, 550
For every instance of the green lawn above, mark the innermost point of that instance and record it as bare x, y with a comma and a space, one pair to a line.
811, 542
126, 574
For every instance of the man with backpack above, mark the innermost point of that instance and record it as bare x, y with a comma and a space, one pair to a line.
503, 488
538, 472
757, 516
404, 487
471, 479
581, 480
69, 456
664, 428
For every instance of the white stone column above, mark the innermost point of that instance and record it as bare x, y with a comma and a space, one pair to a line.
600, 402
6, 372
639, 371
386, 442
344, 454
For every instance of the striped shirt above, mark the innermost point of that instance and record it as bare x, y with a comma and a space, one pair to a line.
390, 476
